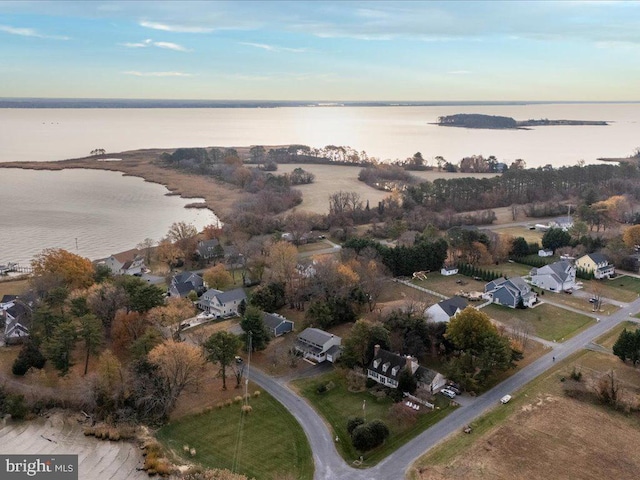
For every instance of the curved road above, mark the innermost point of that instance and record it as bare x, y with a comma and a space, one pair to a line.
330, 466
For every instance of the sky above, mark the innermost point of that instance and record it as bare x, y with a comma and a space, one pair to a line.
322, 50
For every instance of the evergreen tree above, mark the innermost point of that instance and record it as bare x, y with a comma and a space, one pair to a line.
252, 323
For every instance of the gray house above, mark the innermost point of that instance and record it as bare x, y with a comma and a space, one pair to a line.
185, 282
556, 277
510, 292
17, 322
222, 304
209, 249
277, 324
318, 345
446, 309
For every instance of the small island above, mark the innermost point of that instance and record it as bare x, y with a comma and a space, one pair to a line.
477, 120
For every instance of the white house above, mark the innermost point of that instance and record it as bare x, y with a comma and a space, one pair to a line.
130, 262
386, 367
222, 303
556, 277
318, 345
545, 253
448, 270
596, 263
446, 309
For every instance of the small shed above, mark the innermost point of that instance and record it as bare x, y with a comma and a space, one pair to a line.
277, 324
545, 253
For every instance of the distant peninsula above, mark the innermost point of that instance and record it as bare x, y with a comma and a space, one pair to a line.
477, 120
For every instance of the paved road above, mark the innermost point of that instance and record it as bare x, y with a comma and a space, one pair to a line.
330, 466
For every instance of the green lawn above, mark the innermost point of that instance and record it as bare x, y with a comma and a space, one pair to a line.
338, 404
269, 442
548, 322
623, 289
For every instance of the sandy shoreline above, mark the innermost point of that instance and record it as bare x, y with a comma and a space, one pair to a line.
218, 197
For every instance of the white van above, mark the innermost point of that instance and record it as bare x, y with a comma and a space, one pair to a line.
505, 399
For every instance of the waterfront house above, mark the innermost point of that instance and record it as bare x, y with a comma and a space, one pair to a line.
209, 249
555, 277
317, 345
130, 262
17, 322
597, 264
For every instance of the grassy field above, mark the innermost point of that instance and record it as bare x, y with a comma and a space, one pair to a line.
623, 289
269, 442
548, 322
12, 287
541, 431
579, 303
338, 404
531, 236
608, 339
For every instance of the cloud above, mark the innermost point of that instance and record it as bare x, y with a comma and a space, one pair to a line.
157, 74
175, 28
29, 32
150, 43
273, 48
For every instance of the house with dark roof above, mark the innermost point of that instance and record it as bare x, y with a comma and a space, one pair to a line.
597, 264
277, 324
130, 262
7, 301
446, 309
317, 345
185, 282
386, 367
17, 322
222, 304
510, 292
555, 277
209, 249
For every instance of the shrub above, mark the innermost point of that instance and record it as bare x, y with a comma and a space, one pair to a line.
247, 409
238, 399
576, 374
354, 422
369, 435
257, 393
29, 356
16, 406
321, 388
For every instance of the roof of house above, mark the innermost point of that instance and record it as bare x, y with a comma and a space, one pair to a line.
597, 257
236, 294
273, 320
384, 363
451, 305
315, 335
210, 294
18, 311
333, 350
129, 255
204, 246
185, 277
183, 289
425, 375
8, 298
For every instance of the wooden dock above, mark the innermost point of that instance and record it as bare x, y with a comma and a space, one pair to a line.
14, 268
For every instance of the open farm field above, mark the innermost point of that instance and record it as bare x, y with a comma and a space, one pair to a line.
263, 444
333, 178
548, 322
337, 404
61, 434
530, 236
543, 433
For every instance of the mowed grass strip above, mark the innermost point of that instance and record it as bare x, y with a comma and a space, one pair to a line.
548, 322
271, 442
338, 404
609, 339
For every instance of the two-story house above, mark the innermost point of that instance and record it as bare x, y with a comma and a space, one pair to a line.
185, 282
386, 367
318, 345
222, 304
556, 277
597, 264
130, 262
511, 292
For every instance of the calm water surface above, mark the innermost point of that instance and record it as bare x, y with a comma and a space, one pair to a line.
108, 213
105, 211
383, 132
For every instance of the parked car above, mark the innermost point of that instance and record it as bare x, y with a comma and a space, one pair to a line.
454, 388
238, 359
593, 300
205, 316
505, 399
448, 393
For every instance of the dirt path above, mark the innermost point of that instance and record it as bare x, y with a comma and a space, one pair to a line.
59, 434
